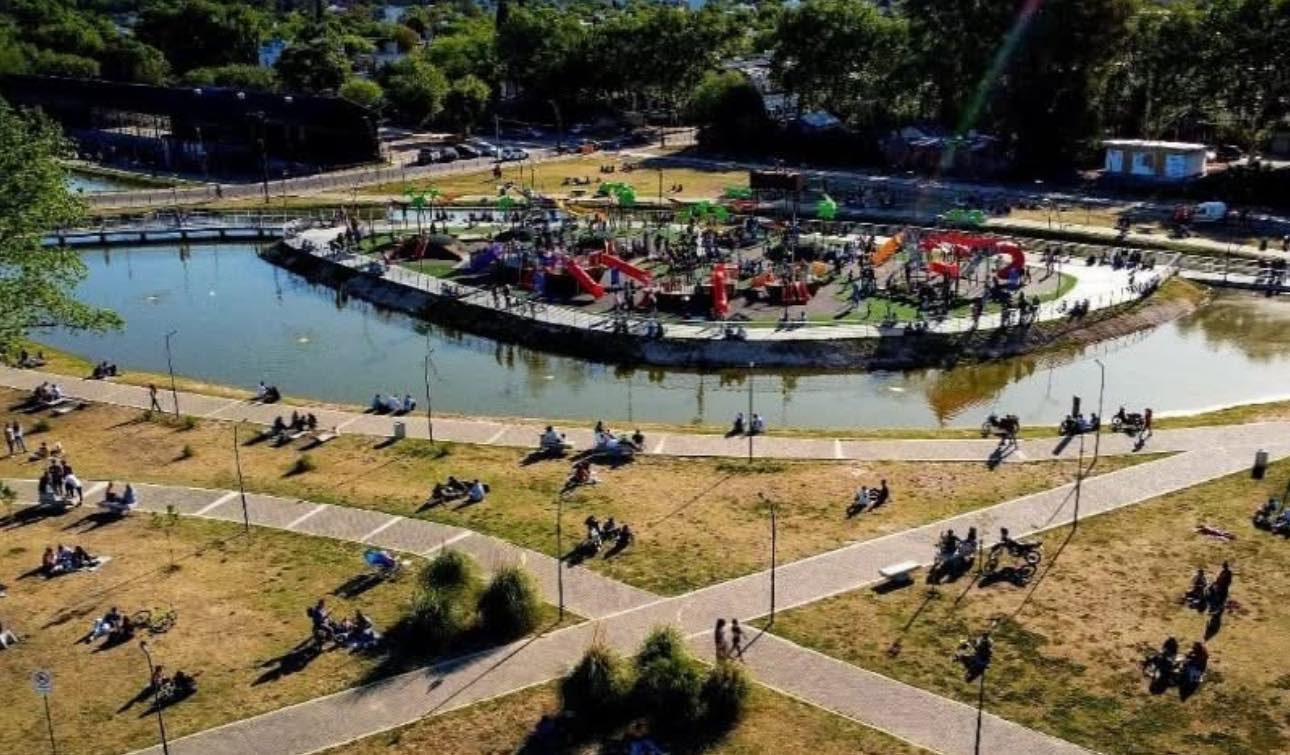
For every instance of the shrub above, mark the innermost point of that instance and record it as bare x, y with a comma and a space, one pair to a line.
188, 422
187, 452
439, 618
452, 572
509, 606
669, 683
725, 693
39, 426
304, 463
595, 688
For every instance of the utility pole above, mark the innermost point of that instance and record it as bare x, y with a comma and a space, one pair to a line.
751, 365
774, 531
559, 550
156, 698
429, 412
241, 484
170, 365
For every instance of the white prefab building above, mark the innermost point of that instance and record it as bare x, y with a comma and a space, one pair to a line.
1154, 160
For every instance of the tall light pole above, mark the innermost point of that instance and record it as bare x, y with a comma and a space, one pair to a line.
751, 432
170, 366
429, 412
241, 485
559, 551
774, 531
156, 698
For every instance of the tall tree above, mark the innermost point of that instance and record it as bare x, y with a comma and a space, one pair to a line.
37, 282
201, 33
318, 65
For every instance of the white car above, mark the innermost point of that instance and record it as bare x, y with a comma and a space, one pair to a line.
514, 153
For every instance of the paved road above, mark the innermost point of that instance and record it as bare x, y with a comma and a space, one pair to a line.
523, 433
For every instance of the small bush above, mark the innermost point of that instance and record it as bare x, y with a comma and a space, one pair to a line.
725, 695
189, 422
438, 619
186, 452
596, 688
451, 571
304, 463
509, 606
669, 683
39, 426
662, 643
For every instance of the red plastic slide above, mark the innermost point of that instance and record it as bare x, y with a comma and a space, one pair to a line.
1018, 258
595, 289
720, 304
941, 268
626, 268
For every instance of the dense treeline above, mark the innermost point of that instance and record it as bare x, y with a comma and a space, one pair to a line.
1048, 76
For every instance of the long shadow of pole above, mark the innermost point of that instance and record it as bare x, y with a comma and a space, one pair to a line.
980, 712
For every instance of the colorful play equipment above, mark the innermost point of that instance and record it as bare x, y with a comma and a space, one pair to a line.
584, 280
720, 302
888, 248
964, 245
623, 266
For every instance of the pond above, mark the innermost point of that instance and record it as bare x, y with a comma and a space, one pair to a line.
89, 183
241, 320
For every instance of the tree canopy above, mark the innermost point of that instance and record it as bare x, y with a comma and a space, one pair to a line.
37, 282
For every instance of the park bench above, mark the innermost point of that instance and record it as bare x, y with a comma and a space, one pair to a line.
899, 573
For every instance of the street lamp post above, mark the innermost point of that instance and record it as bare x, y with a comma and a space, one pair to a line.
170, 366
559, 551
156, 698
751, 365
774, 532
429, 412
241, 485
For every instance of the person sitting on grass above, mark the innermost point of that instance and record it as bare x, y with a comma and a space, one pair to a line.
883, 494
49, 562
409, 403
1195, 664
476, 492
262, 392
551, 440
278, 428
319, 622
362, 633
581, 474
122, 631
757, 426
638, 440
311, 422
593, 532
104, 625
122, 503
862, 499
378, 404
7, 637
1195, 596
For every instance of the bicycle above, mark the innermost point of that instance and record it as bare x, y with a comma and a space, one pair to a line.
159, 622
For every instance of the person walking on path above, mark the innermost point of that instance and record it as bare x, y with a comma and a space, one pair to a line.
1146, 424
719, 640
736, 639
18, 440
152, 396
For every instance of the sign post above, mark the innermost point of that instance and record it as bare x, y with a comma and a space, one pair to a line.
43, 683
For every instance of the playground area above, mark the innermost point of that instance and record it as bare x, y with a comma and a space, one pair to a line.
711, 266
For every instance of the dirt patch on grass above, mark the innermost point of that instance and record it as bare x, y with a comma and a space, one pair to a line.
698, 521
1073, 644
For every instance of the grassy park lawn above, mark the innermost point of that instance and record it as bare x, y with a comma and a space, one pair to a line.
240, 603
698, 521
1073, 643
773, 723
548, 177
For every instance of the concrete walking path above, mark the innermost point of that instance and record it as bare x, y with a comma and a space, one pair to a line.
521, 433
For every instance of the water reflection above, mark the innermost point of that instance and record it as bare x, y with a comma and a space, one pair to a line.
242, 320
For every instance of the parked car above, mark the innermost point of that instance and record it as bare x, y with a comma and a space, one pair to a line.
514, 153
1226, 153
484, 148
429, 155
448, 155
467, 151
